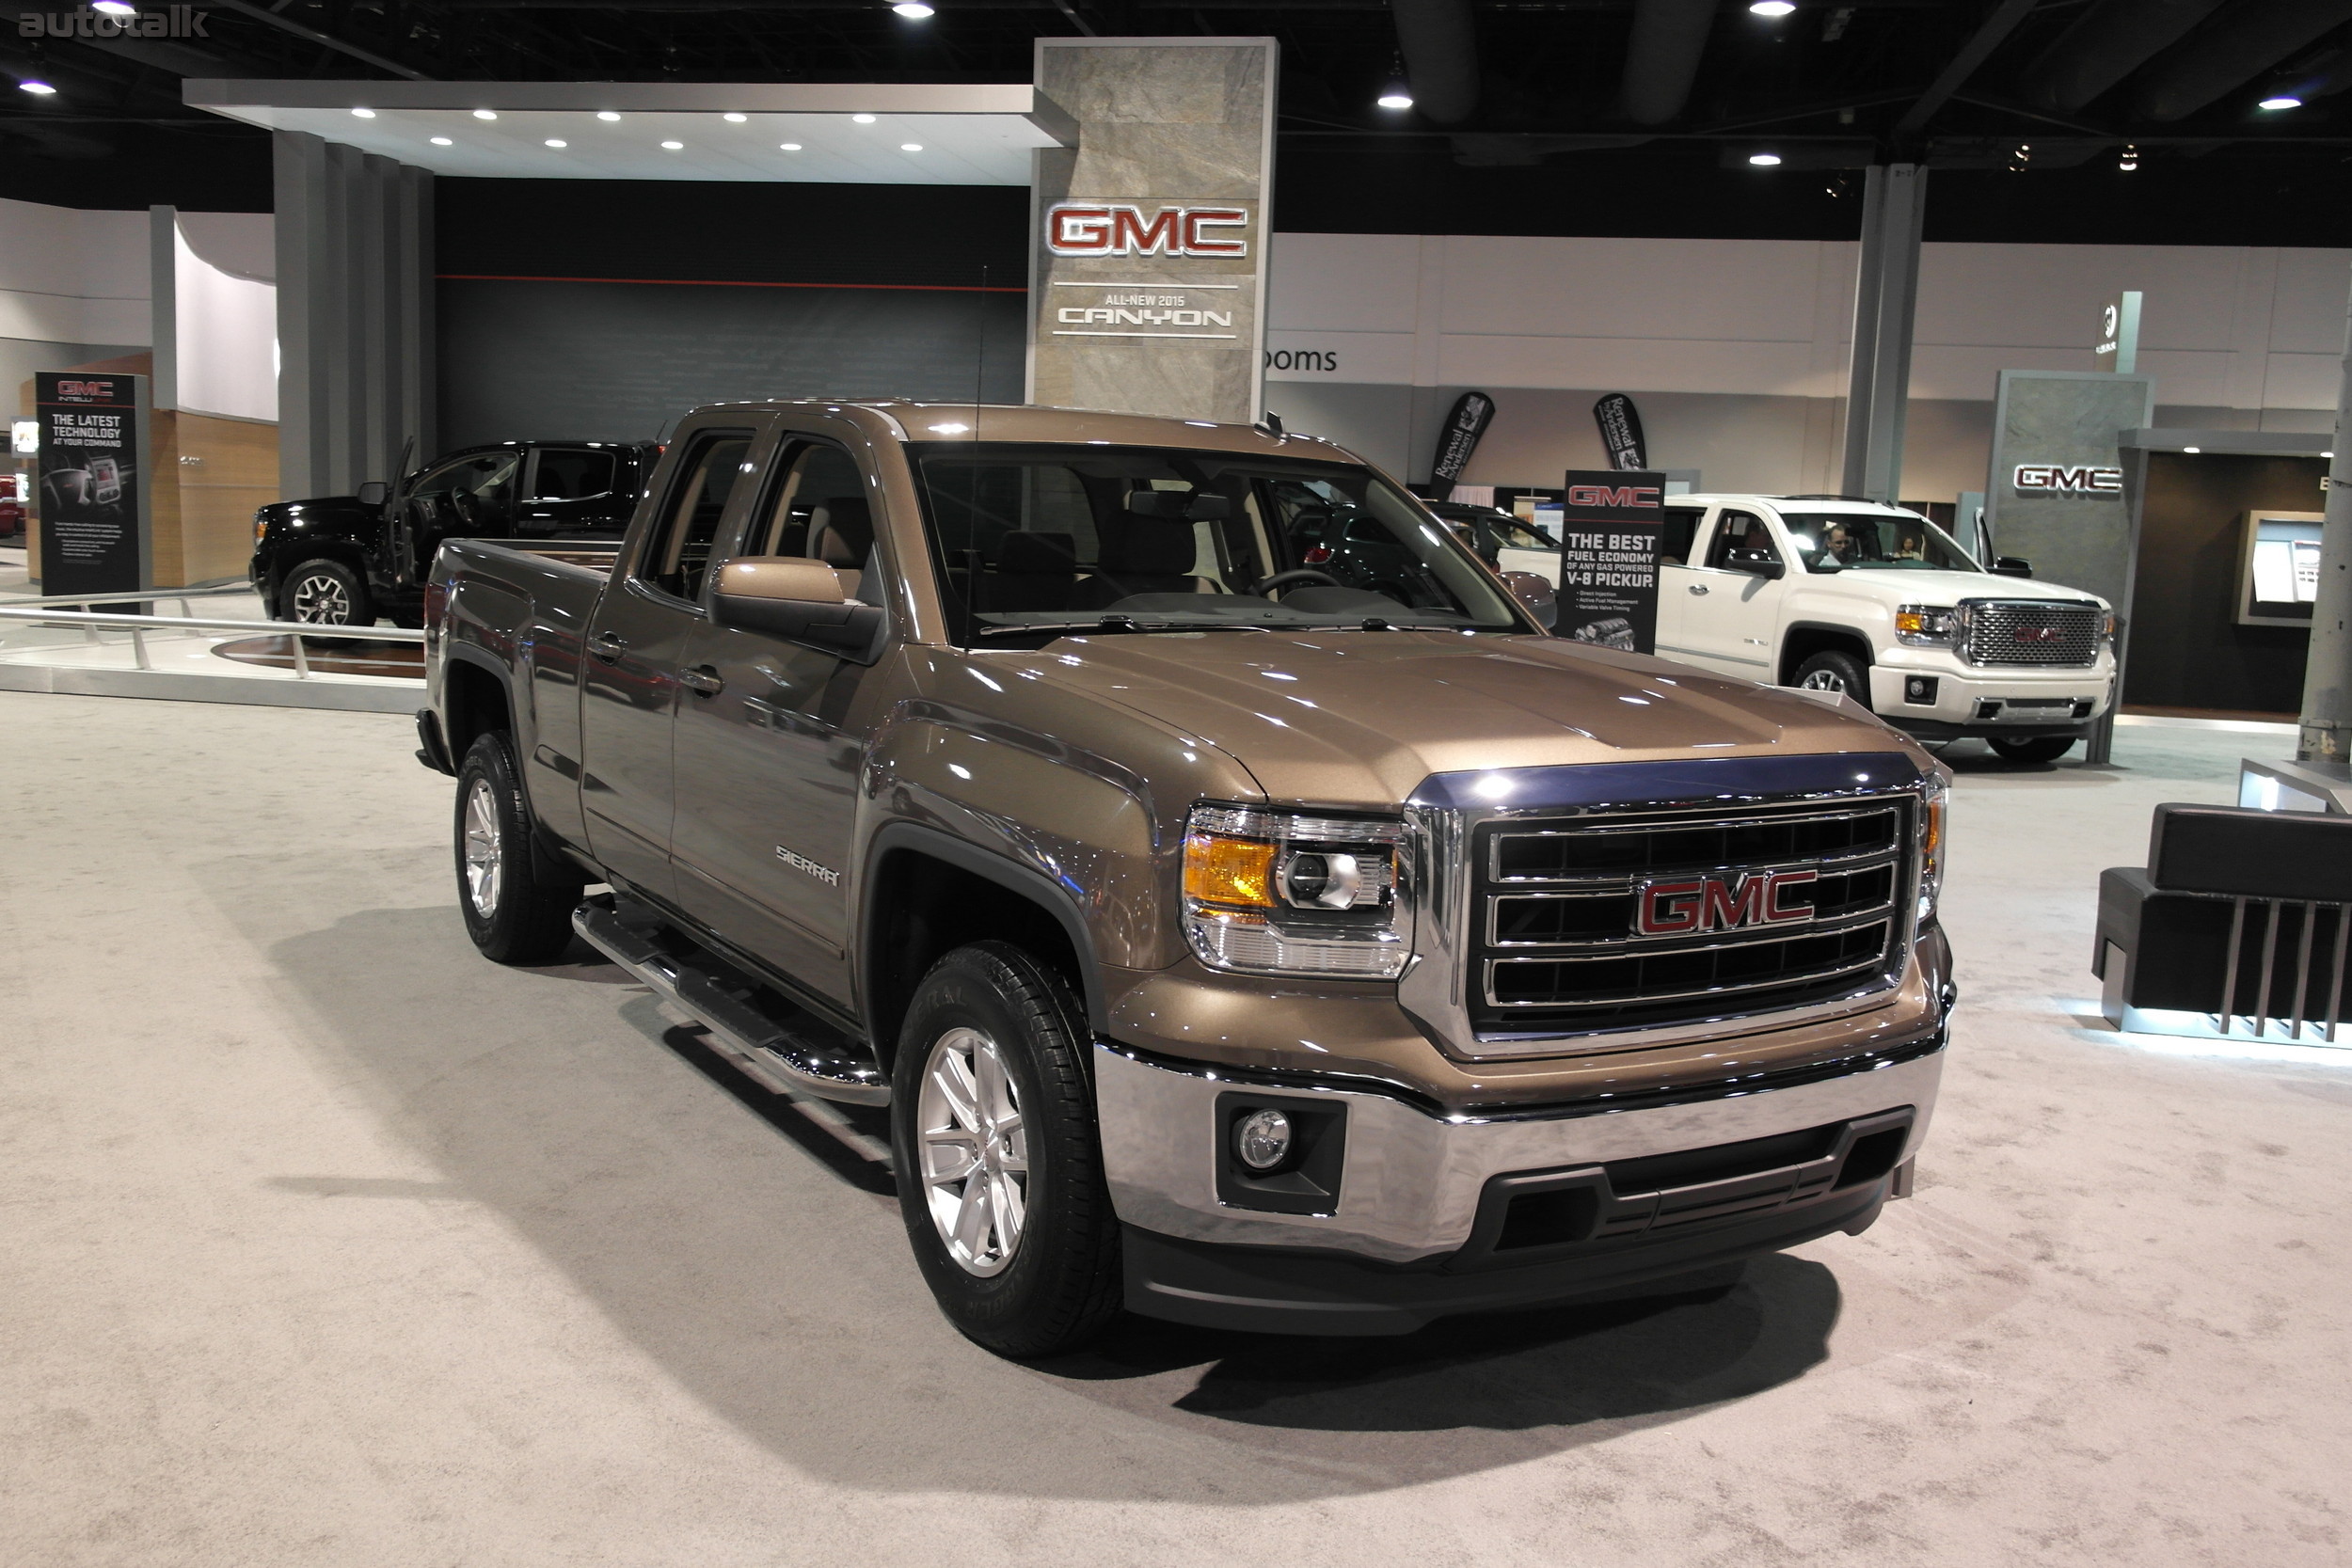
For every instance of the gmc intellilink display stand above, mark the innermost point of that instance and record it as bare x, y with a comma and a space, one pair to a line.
93, 503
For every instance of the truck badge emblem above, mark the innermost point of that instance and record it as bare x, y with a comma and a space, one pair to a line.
2041, 634
1687, 906
824, 873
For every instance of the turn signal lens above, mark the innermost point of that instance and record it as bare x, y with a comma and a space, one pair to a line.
1933, 801
1228, 871
1281, 892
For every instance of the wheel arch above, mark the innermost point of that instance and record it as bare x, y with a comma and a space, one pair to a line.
477, 696
1803, 639
292, 556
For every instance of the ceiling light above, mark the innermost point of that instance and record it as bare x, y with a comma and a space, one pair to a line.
363, 114
485, 114
114, 8
787, 147
862, 119
2130, 160
37, 88
443, 141
607, 117
2282, 102
1774, 9
1396, 95
1765, 160
672, 147
734, 118
913, 11
557, 142
910, 147
2192, 449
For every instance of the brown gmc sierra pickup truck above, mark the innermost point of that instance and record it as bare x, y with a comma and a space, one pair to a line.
1231, 940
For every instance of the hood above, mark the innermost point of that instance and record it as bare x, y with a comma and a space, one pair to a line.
322, 511
1945, 587
1356, 719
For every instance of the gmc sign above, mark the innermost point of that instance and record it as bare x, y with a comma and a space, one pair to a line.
2057, 478
1119, 229
1689, 906
1614, 495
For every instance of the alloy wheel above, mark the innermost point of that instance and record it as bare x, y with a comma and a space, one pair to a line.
974, 1151
1823, 680
322, 601
482, 862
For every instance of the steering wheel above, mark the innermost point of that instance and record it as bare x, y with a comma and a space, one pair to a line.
1296, 575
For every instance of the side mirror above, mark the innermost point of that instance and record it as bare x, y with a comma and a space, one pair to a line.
2011, 567
1760, 563
800, 600
1536, 595
375, 493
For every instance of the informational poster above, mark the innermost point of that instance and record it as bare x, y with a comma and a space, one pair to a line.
1459, 437
1610, 523
91, 435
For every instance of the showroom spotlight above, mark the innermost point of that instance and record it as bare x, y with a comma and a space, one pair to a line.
485, 114
734, 118
787, 147
910, 147
443, 141
2130, 159
672, 147
1765, 160
558, 143
38, 87
363, 114
114, 8
1395, 96
913, 11
607, 117
1773, 9
2283, 100
861, 120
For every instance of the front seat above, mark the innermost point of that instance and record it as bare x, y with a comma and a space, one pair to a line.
1141, 555
841, 534
1033, 571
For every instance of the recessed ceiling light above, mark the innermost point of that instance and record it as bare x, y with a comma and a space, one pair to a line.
114, 8
788, 145
862, 119
1395, 97
1765, 160
443, 141
37, 88
363, 114
485, 114
734, 118
910, 147
672, 147
557, 141
2282, 102
913, 11
1772, 7
607, 117
2192, 449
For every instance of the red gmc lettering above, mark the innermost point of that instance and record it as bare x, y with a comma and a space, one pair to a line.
2057, 476
1617, 496
1670, 908
1132, 236
1714, 904
1078, 231
1200, 244
1119, 229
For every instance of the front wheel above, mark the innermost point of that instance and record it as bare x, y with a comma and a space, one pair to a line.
516, 899
324, 593
2027, 751
1000, 1169
1832, 670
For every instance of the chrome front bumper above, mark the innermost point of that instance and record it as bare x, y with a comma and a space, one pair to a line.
1411, 1183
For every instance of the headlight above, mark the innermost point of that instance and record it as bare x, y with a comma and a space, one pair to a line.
1926, 625
2107, 629
260, 526
1932, 844
1270, 891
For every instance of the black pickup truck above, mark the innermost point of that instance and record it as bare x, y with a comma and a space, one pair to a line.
350, 560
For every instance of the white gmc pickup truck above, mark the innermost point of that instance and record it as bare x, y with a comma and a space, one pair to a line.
1879, 603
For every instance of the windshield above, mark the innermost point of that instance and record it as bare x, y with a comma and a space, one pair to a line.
1851, 541
1031, 542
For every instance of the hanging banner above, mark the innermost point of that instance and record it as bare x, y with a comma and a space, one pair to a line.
92, 533
1621, 431
1610, 522
1473, 412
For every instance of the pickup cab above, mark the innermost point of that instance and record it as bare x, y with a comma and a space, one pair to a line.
1878, 604
351, 560
1224, 941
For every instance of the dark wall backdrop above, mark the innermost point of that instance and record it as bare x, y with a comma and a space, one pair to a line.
602, 309
2187, 649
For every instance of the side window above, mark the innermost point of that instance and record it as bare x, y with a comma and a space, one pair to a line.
1681, 532
678, 553
1738, 534
819, 509
568, 475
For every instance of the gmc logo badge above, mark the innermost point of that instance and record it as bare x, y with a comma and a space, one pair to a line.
1685, 907
2041, 634
1607, 495
2056, 478
1119, 229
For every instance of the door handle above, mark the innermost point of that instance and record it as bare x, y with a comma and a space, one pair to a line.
1698, 588
608, 646
702, 680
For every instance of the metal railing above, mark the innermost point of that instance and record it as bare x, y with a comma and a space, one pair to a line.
140, 625
2267, 981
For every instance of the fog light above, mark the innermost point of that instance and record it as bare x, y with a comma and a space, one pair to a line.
1919, 689
1262, 1140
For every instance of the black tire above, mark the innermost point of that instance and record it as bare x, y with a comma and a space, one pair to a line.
516, 899
1057, 1284
325, 593
2028, 750
1832, 670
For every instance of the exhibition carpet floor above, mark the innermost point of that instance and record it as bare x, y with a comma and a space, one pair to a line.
327, 1244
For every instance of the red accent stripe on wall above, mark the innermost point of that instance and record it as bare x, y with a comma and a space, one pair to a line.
728, 283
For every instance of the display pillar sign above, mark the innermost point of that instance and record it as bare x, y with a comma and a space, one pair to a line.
2118, 348
94, 507
1148, 254
2055, 496
1610, 522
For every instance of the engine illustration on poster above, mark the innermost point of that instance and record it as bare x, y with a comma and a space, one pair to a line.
89, 481
1610, 522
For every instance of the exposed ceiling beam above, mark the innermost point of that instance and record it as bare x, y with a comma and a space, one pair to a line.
287, 23
1989, 36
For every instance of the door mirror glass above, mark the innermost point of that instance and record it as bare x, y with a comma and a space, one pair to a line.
2011, 567
375, 493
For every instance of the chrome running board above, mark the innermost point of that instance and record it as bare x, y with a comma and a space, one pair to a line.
785, 1061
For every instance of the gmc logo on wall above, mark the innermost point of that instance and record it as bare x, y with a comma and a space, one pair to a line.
1687, 906
1613, 495
2057, 478
1119, 229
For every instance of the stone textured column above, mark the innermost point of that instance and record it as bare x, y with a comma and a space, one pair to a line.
1886, 296
2326, 733
1151, 302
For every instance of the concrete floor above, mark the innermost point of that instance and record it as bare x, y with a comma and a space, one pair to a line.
329, 1244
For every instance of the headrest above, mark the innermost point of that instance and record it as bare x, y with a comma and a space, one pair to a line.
841, 531
2251, 854
1149, 550
1036, 552
1179, 505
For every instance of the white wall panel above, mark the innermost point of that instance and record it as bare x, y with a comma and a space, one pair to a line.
1739, 290
1633, 365
1343, 282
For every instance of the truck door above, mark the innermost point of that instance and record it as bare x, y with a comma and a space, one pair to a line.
1730, 608
570, 493
628, 691
1676, 542
771, 739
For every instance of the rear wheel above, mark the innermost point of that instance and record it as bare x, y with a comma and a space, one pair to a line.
1000, 1168
1832, 670
516, 899
2028, 750
324, 593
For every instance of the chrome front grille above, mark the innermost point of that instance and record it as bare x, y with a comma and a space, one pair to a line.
2062, 633
1641, 919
